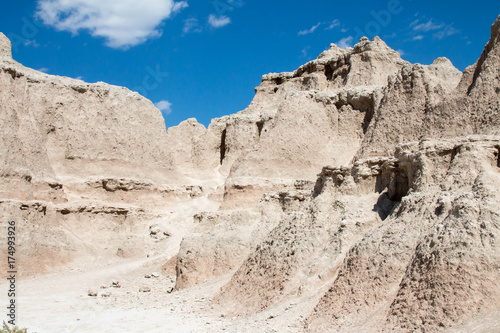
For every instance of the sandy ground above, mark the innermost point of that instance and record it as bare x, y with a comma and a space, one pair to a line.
60, 303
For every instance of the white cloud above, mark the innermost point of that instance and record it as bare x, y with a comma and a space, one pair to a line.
43, 70
178, 6
425, 27
191, 25
164, 106
305, 51
30, 42
333, 24
123, 23
421, 26
79, 77
218, 21
309, 31
393, 35
447, 31
345, 42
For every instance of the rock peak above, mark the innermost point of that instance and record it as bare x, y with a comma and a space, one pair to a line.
5, 46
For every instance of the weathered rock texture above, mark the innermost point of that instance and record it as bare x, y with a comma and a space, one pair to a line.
78, 161
404, 238
359, 183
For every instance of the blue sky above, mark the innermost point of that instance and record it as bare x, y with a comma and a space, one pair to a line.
203, 58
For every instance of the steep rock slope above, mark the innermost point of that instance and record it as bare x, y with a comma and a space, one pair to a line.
406, 110
85, 169
405, 238
483, 102
58, 130
318, 115
434, 262
322, 112
436, 101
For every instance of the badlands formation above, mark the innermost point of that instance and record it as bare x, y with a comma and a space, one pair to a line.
358, 193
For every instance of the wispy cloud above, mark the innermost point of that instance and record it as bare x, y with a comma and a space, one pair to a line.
218, 21
123, 23
393, 35
29, 42
422, 26
305, 51
164, 106
178, 6
43, 70
345, 42
425, 27
309, 31
335, 23
449, 30
191, 25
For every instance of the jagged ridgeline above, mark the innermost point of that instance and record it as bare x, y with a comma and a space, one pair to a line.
360, 186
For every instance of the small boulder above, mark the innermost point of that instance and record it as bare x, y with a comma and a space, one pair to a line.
145, 289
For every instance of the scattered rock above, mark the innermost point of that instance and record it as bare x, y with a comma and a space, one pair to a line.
145, 289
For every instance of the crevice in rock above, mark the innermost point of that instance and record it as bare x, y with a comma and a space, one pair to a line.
13, 73
385, 206
396, 180
278, 81
329, 72
222, 146
80, 90
400, 186
454, 153
497, 155
260, 125
318, 186
368, 119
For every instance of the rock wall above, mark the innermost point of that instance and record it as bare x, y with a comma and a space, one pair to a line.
77, 162
400, 238
431, 263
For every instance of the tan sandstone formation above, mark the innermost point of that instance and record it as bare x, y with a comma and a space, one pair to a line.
86, 163
405, 237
